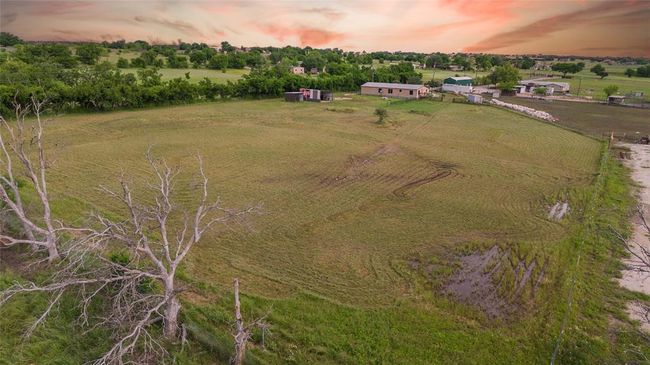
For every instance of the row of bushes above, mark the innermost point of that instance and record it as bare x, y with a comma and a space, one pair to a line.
104, 87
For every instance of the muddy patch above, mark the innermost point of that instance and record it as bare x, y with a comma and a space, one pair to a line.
497, 281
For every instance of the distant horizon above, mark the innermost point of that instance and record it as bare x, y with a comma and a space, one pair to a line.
603, 28
217, 45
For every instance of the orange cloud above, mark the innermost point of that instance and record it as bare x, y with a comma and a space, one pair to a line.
483, 9
328, 13
307, 36
613, 13
57, 7
176, 25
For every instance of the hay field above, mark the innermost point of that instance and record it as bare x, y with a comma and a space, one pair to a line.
353, 210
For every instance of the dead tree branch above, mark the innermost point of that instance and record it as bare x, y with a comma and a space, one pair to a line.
23, 154
157, 234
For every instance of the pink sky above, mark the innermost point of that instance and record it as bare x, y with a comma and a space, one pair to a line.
615, 27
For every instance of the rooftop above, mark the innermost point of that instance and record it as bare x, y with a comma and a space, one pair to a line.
537, 82
460, 78
389, 85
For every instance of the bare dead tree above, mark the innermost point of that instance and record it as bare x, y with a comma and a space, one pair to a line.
23, 154
243, 332
158, 235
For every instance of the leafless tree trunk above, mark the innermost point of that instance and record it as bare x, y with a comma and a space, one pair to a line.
241, 333
16, 142
168, 249
158, 235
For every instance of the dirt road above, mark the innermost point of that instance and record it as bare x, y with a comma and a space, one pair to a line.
633, 279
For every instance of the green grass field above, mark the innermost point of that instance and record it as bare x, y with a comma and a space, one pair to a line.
196, 74
592, 85
363, 226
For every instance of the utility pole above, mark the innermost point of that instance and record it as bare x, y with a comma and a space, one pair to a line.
579, 85
433, 75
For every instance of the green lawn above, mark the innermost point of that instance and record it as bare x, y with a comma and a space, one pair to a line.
358, 239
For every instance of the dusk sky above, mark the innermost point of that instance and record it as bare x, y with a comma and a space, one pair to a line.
608, 28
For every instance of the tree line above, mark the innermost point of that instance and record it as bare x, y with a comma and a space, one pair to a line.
44, 71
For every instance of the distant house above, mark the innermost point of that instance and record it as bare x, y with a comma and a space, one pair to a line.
459, 80
314, 71
407, 91
297, 70
455, 67
557, 86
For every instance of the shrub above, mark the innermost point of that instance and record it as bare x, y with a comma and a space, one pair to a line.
382, 114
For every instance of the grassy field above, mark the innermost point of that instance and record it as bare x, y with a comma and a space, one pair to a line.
199, 74
196, 75
592, 86
592, 119
364, 226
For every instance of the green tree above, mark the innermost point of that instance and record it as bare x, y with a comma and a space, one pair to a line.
8, 39
629, 72
89, 53
218, 61
526, 63
568, 67
177, 61
227, 47
122, 63
313, 60
483, 62
610, 90
505, 77
198, 58
599, 70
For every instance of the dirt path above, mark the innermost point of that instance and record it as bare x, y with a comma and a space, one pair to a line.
631, 279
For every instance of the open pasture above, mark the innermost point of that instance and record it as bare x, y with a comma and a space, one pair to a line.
597, 120
346, 199
588, 84
363, 223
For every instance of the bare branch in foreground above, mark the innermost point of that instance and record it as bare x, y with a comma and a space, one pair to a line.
22, 154
137, 288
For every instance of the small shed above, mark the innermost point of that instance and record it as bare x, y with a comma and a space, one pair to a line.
293, 96
615, 99
327, 95
459, 80
475, 98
